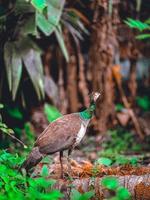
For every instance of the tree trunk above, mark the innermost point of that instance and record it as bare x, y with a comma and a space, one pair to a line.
72, 89
102, 54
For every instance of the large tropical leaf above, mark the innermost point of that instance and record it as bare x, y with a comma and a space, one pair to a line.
54, 10
132, 23
33, 64
16, 72
22, 6
39, 4
13, 65
8, 52
29, 26
43, 24
51, 89
143, 36
61, 42
27, 51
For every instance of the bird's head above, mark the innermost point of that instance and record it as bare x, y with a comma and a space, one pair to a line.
94, 96
87, 114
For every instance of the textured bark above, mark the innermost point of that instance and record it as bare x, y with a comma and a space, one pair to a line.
86, 177
61, 84
82, 80
71, 76
132, 80
102, 55
138, 186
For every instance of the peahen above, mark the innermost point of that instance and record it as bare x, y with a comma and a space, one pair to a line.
62, 134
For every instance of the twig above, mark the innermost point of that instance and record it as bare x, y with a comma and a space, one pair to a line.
12, 136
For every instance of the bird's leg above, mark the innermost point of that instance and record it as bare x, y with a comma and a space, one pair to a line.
69, 160
60, 157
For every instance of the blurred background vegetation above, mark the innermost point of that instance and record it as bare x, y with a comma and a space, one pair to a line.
54, 53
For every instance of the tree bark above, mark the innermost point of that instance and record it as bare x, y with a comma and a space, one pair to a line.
102, 54
72, 89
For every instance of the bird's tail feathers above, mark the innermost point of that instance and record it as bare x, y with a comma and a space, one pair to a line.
33, 159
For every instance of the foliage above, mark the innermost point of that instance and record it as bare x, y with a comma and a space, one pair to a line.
14, 112
120, 142
29, 133
112, 183
75, 195
104, 161
143, 102
33, 20
141, 26
3, 127
51, 112
119, 107
14, 185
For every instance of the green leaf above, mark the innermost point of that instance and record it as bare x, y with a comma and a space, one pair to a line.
119, 107
45, 171
143, 36
110, 183
22, 7
51, 89
16, 72
136, 24
39, 4
29, 131
87, 195
54, 11
61, 42
8, 52
33, 64
29, 26
147, 21
143, 102
13, 65
55, 8
123, 194
75, 195
134, 161
51, 112
15, 113
104, 161
43, 24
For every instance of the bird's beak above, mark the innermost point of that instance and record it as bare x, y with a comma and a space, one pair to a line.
96, 95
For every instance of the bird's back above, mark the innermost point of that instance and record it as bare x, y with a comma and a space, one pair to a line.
60, 134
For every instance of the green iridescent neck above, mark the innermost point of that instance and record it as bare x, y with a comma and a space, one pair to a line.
87, 114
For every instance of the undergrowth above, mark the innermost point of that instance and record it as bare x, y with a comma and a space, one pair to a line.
14, 185
118, 149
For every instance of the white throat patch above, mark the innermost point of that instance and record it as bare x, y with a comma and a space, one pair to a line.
81, 133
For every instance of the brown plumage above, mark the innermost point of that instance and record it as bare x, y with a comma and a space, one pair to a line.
63, 134
49, 144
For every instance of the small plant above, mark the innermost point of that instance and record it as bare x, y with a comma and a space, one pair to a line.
75, 195
3, 126
101, 161
112, 184
7, 131
141, 26
51, 112
143, 102
14, 185
104, 161
119, 143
